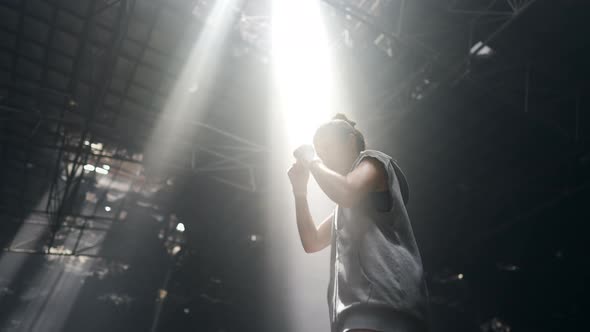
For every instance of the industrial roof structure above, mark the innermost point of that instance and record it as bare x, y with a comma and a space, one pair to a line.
483, 104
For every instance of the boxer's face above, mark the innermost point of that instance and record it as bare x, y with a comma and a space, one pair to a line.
338, 153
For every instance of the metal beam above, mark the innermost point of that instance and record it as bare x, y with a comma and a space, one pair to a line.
365, 18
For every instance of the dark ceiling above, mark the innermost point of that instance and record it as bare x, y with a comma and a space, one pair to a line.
495, 148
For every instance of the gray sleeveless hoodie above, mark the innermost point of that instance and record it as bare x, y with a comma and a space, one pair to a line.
374, 256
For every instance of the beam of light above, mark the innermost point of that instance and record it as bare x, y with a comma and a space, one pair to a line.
49, 291
188, 99
304, 96
303, 68
49, 298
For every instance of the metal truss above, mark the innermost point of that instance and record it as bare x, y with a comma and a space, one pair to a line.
484, 22
530, 82
80, 235
495, 20
500, 8
72, 124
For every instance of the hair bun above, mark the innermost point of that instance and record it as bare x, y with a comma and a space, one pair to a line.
342, 116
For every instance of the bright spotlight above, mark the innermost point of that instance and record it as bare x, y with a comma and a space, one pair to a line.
197, 75
481, 50
176, 250
180, 227
107, 167
302, 67
96, 146
101, 170
89, 167
107, 208
305, 94
460, 276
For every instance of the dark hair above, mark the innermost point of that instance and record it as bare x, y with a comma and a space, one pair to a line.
341, 126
